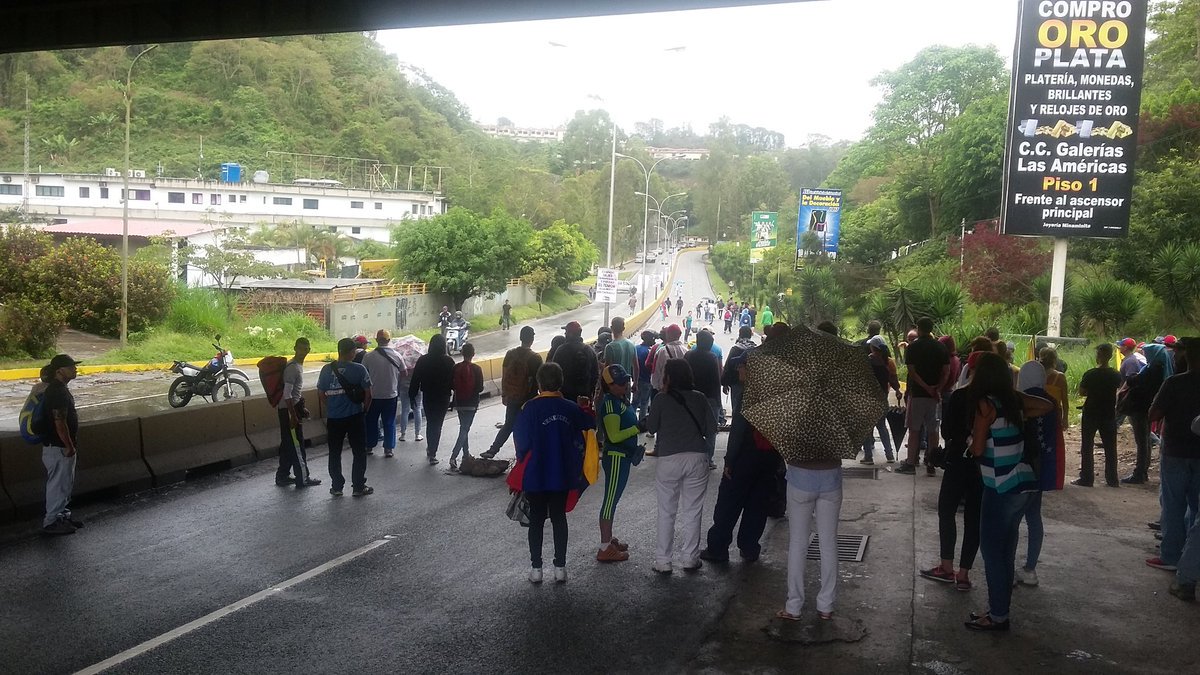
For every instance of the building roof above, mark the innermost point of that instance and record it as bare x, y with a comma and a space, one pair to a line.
313, 284
112, 227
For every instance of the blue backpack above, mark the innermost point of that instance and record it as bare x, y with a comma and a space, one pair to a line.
32, 419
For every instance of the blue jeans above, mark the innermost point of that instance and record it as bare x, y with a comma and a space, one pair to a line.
1033, 520
405, 406
711, 450
382, 410
1189, 562
642, 399
1179, 494
465, 419
999, 529
869, 443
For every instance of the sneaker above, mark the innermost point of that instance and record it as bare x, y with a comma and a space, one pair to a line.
1156, 525
402, 439
389, 453
1027, 577
611, 553
693, 567
1183, 591
713, 556
535, 575
1081, 482
60, 526
621, 546
1133, 479
1158, 564
930, 470
868, 461
560, 574
661, 568
453, 465
363, 491
937, 574
420, 438
284, 483
336, 492
370, 451
906, 469
433, 460
490, 454
309, 482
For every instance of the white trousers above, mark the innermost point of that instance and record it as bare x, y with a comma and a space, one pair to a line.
681, 481
802, 506
60, 481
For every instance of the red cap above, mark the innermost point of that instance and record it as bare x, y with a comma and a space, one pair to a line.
573, 328
1127, 343
672, 332
1170, 340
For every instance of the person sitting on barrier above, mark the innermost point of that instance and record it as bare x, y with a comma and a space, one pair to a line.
293, 460
345, 388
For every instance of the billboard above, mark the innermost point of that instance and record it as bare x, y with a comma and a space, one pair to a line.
606, 285
764, 234
821, 214
1073, 118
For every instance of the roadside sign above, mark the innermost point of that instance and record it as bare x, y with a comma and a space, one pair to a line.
606, 284
764, 233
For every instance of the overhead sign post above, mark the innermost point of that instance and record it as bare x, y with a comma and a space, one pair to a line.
606, 284
821, 214
764, 234
1072, 124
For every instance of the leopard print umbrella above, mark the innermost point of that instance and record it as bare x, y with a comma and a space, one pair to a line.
812, 395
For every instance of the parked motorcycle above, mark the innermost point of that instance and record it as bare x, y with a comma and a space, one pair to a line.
215, 380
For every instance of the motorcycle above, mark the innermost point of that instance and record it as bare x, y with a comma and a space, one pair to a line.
217, 379
456, 337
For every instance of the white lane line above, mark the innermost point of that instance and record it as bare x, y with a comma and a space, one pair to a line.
191, 626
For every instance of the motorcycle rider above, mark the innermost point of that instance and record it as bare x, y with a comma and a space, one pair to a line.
460, 324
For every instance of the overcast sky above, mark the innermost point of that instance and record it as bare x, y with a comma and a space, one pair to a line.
800, 69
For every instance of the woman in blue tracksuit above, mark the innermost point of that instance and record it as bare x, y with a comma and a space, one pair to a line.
620, 443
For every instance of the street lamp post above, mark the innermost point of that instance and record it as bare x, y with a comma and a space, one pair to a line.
645, 217
128, 96
612, 187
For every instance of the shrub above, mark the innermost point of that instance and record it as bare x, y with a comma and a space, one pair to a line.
1175, 271
197, 310
30, 326
1109, 304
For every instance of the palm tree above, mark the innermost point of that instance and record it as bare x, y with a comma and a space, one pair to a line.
330, 247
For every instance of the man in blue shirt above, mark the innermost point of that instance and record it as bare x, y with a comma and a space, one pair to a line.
345, 390
642, 395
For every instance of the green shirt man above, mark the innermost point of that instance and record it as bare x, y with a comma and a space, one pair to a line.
767, 317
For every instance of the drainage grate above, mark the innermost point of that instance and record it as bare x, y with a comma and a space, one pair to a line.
867, 472
851, 547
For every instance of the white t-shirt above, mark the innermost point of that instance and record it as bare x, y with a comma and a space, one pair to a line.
293, 384
381, 365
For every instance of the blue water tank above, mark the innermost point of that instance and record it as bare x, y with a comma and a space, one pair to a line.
231, 172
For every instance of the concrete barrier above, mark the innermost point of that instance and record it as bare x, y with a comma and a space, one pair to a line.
175, 441
22, 472
315, 432
262, 427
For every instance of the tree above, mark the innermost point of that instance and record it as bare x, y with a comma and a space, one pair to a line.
563, 252
1000, 268
461, 253
1176, 275
587, 142
226, 265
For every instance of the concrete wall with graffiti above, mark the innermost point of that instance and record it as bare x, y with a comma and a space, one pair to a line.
410, 313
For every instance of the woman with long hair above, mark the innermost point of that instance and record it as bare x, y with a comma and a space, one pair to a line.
1009, 481
961, 484
432, 378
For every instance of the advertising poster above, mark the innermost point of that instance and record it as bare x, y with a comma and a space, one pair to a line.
764, 234
821, 214
606, 285
1073, 118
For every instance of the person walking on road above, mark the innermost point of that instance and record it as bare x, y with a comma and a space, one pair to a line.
728, 320
293, 459
518, 384
768, 317
549, 431
687, 327
408, 407
679, 306
432, 378
620, 444
345, 388
384, 367
706, 378
59, 429
468, 385
671, 348
642, 392
683, 421
506, 315
580, 368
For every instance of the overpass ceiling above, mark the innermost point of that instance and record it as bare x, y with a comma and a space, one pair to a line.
30, 25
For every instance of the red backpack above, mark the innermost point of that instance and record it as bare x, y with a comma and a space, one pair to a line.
463, 382
270, 373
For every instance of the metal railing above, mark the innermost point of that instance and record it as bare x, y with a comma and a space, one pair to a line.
368, 292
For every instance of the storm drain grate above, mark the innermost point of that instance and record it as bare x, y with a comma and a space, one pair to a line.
867, 472
851, 547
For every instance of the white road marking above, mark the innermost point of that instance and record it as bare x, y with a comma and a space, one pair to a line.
225, 611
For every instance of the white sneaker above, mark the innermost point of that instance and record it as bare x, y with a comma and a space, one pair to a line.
560, 574
1027, 577
535, 575
420, 438
661, 568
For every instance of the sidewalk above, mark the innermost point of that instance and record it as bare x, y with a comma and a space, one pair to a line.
1098, 609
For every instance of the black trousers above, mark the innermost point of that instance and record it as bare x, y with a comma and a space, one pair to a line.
435, 416
510, 418
1140, 423
747, 494
341, 430
554, 506
960, 483
1108, 435
293, 460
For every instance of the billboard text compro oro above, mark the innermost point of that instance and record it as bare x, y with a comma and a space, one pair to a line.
1073, 117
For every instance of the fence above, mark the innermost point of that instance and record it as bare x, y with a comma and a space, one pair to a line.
369, 292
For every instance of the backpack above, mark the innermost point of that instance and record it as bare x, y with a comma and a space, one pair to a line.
270, 374
32, 419
463, 382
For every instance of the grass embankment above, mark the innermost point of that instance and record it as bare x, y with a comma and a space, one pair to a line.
719, 285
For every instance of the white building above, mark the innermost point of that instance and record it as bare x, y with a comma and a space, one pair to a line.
170, 202
539, 134
693, 154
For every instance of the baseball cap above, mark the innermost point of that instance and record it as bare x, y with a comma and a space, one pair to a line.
383, 334
672, 332
573, 328
615, 374
62, 361
1170, 341
1127, 343
360, 340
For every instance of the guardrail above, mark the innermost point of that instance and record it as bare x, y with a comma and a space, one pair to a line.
372, 291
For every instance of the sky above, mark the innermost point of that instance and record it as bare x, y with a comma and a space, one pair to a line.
800, 69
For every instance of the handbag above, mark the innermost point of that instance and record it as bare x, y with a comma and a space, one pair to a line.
356, 393
518, 509
591, 456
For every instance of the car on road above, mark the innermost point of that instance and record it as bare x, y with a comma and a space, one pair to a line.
638, 258
626, 287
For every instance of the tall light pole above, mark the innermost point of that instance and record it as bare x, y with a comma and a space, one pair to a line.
128, 96
657, 204
612, 191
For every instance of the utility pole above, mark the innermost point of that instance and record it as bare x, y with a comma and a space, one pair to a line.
612, 189
25, 186
128, 94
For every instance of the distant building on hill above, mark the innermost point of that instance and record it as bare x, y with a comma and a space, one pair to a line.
538, 134
693, 154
